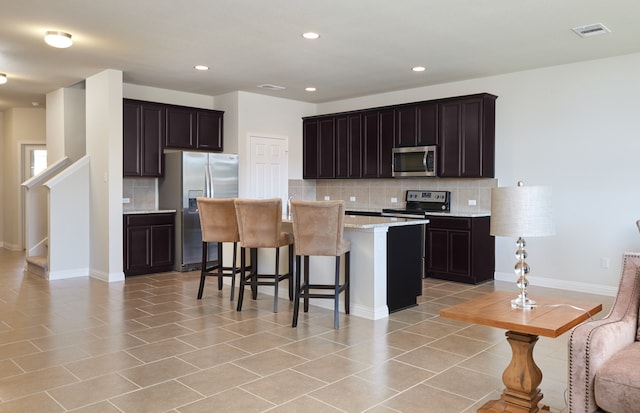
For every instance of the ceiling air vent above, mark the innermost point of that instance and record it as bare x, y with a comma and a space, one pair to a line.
591, 30
267, 86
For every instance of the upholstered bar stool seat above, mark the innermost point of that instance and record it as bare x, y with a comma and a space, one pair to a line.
218, 224
259, 226
317, 229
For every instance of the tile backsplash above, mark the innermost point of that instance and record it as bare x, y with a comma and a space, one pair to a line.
141, 193
376, 194
369, 194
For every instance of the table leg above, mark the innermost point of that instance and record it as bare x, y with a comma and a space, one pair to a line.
521, 379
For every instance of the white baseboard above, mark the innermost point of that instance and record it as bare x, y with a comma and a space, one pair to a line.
11, 247
107, 277
65, 274
561, 284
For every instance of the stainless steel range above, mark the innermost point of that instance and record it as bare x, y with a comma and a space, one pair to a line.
420, 203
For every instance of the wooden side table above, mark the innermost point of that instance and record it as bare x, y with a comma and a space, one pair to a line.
551, 318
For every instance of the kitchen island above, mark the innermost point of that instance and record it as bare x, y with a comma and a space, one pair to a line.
368, 236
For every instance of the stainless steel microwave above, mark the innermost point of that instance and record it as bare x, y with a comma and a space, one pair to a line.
415, 161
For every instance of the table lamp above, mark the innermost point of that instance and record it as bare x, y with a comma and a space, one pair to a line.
521, 211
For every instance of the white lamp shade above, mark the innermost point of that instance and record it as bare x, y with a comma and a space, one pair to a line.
521, 211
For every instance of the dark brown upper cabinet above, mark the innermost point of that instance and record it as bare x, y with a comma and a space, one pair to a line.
360, 144
143, 139
192, 128
467, 137
416, 125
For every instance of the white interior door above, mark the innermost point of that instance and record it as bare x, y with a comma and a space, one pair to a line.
269, 170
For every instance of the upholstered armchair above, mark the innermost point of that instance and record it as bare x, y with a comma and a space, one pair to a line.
604, 355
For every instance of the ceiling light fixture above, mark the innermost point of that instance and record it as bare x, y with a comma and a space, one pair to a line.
3, 78
60, 40
419, 68
201, 67
310, 35
310, 89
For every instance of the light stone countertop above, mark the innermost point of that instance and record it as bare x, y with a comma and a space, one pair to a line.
365, 222
150, 211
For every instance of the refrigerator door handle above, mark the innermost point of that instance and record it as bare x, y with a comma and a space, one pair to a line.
208, 182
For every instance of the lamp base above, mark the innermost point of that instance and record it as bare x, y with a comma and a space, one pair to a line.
523, 303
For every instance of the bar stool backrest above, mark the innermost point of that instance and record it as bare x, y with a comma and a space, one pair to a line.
318, 227
259, 222
218, 219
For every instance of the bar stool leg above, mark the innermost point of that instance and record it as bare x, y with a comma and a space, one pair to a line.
203, 271
220, 270
243, 280
306, 284
336, 297
290, 272
276, 282
296, 299
347, 281
253, 272
233, 269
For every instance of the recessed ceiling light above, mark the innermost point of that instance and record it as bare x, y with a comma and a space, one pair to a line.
60, 40
35, 104
3, 78
201, 67
419, 68
310, 35
310, 89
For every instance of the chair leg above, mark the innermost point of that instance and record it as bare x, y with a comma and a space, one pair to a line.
220, 271
336, 296
296, 300
347, 281
291, 286
233, 269
306, 284
243, 280
254, 272
203, 271
276, 281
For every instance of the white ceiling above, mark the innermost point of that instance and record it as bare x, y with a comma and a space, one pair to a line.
366, 46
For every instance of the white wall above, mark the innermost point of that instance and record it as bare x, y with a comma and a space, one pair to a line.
574, 127
66, 124
263, 115
1, 180
20, 126
171, 97
104, 147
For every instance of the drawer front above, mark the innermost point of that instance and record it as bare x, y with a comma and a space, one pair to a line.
134, 220
449, 222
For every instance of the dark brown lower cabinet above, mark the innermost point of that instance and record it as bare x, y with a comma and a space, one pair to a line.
148, 243
460, 249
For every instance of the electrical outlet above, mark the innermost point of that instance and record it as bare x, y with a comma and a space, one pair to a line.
327, 198
472, 202
126, 200
604, 262
394, 200
352, 198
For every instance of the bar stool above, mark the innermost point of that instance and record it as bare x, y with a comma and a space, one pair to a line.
259, 226
317, 229
218, 224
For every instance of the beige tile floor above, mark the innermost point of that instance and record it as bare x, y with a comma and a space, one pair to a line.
147, 345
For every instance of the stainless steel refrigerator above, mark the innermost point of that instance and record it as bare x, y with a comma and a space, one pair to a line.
189, 175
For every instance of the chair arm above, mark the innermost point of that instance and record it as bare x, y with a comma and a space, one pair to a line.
590, 345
